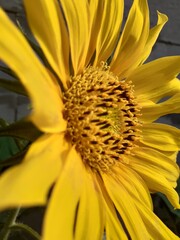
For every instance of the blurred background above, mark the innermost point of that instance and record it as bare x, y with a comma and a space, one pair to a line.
14, 106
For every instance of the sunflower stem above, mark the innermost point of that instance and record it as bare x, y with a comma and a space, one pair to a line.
4, 234
21, 226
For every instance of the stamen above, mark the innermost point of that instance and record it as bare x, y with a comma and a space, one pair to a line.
102, 117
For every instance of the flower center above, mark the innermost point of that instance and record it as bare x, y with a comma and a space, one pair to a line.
102, 117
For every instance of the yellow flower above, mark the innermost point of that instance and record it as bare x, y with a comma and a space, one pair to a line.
100, 148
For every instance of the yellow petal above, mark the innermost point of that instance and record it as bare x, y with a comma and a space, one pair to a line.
166, 90
46, 101
154, 160
126, 208
48, 27
157, 171
171, 155
114, 229
134, 184
161, 136
152, 111
95, 19
153, 75
109, 29
113, 226
153, 35
77, 18
28, 183
61, 213
154, 225
90, 218
128, 53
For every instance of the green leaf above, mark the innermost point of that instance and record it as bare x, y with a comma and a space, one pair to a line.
178, 186
13, 160
8, 148
22, 129
166, 212
168, 204
168, 216
170, 207
15, 140
3, 123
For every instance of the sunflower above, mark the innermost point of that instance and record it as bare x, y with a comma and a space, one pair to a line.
96, 106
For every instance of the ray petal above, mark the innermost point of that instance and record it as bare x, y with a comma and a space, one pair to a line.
159, 173
47, 24
113, 226
152, 111
28, 183
109, 30
126, 208
153, 75
61, 213
149, 157
168, 89
153, 35
134, 184
128, 53
90, 217
114, 229
96, 8
77, 18
161, 136
46, 100
156, 228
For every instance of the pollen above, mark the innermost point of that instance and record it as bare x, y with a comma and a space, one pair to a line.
102, 117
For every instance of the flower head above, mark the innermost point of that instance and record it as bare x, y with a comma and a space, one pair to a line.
96, 103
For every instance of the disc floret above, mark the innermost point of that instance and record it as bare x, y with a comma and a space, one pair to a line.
102, 117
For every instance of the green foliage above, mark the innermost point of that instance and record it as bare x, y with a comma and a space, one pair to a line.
15, 140
22, 129
8, 148
165, 211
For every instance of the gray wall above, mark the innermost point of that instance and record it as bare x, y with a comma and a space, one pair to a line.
12, 106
